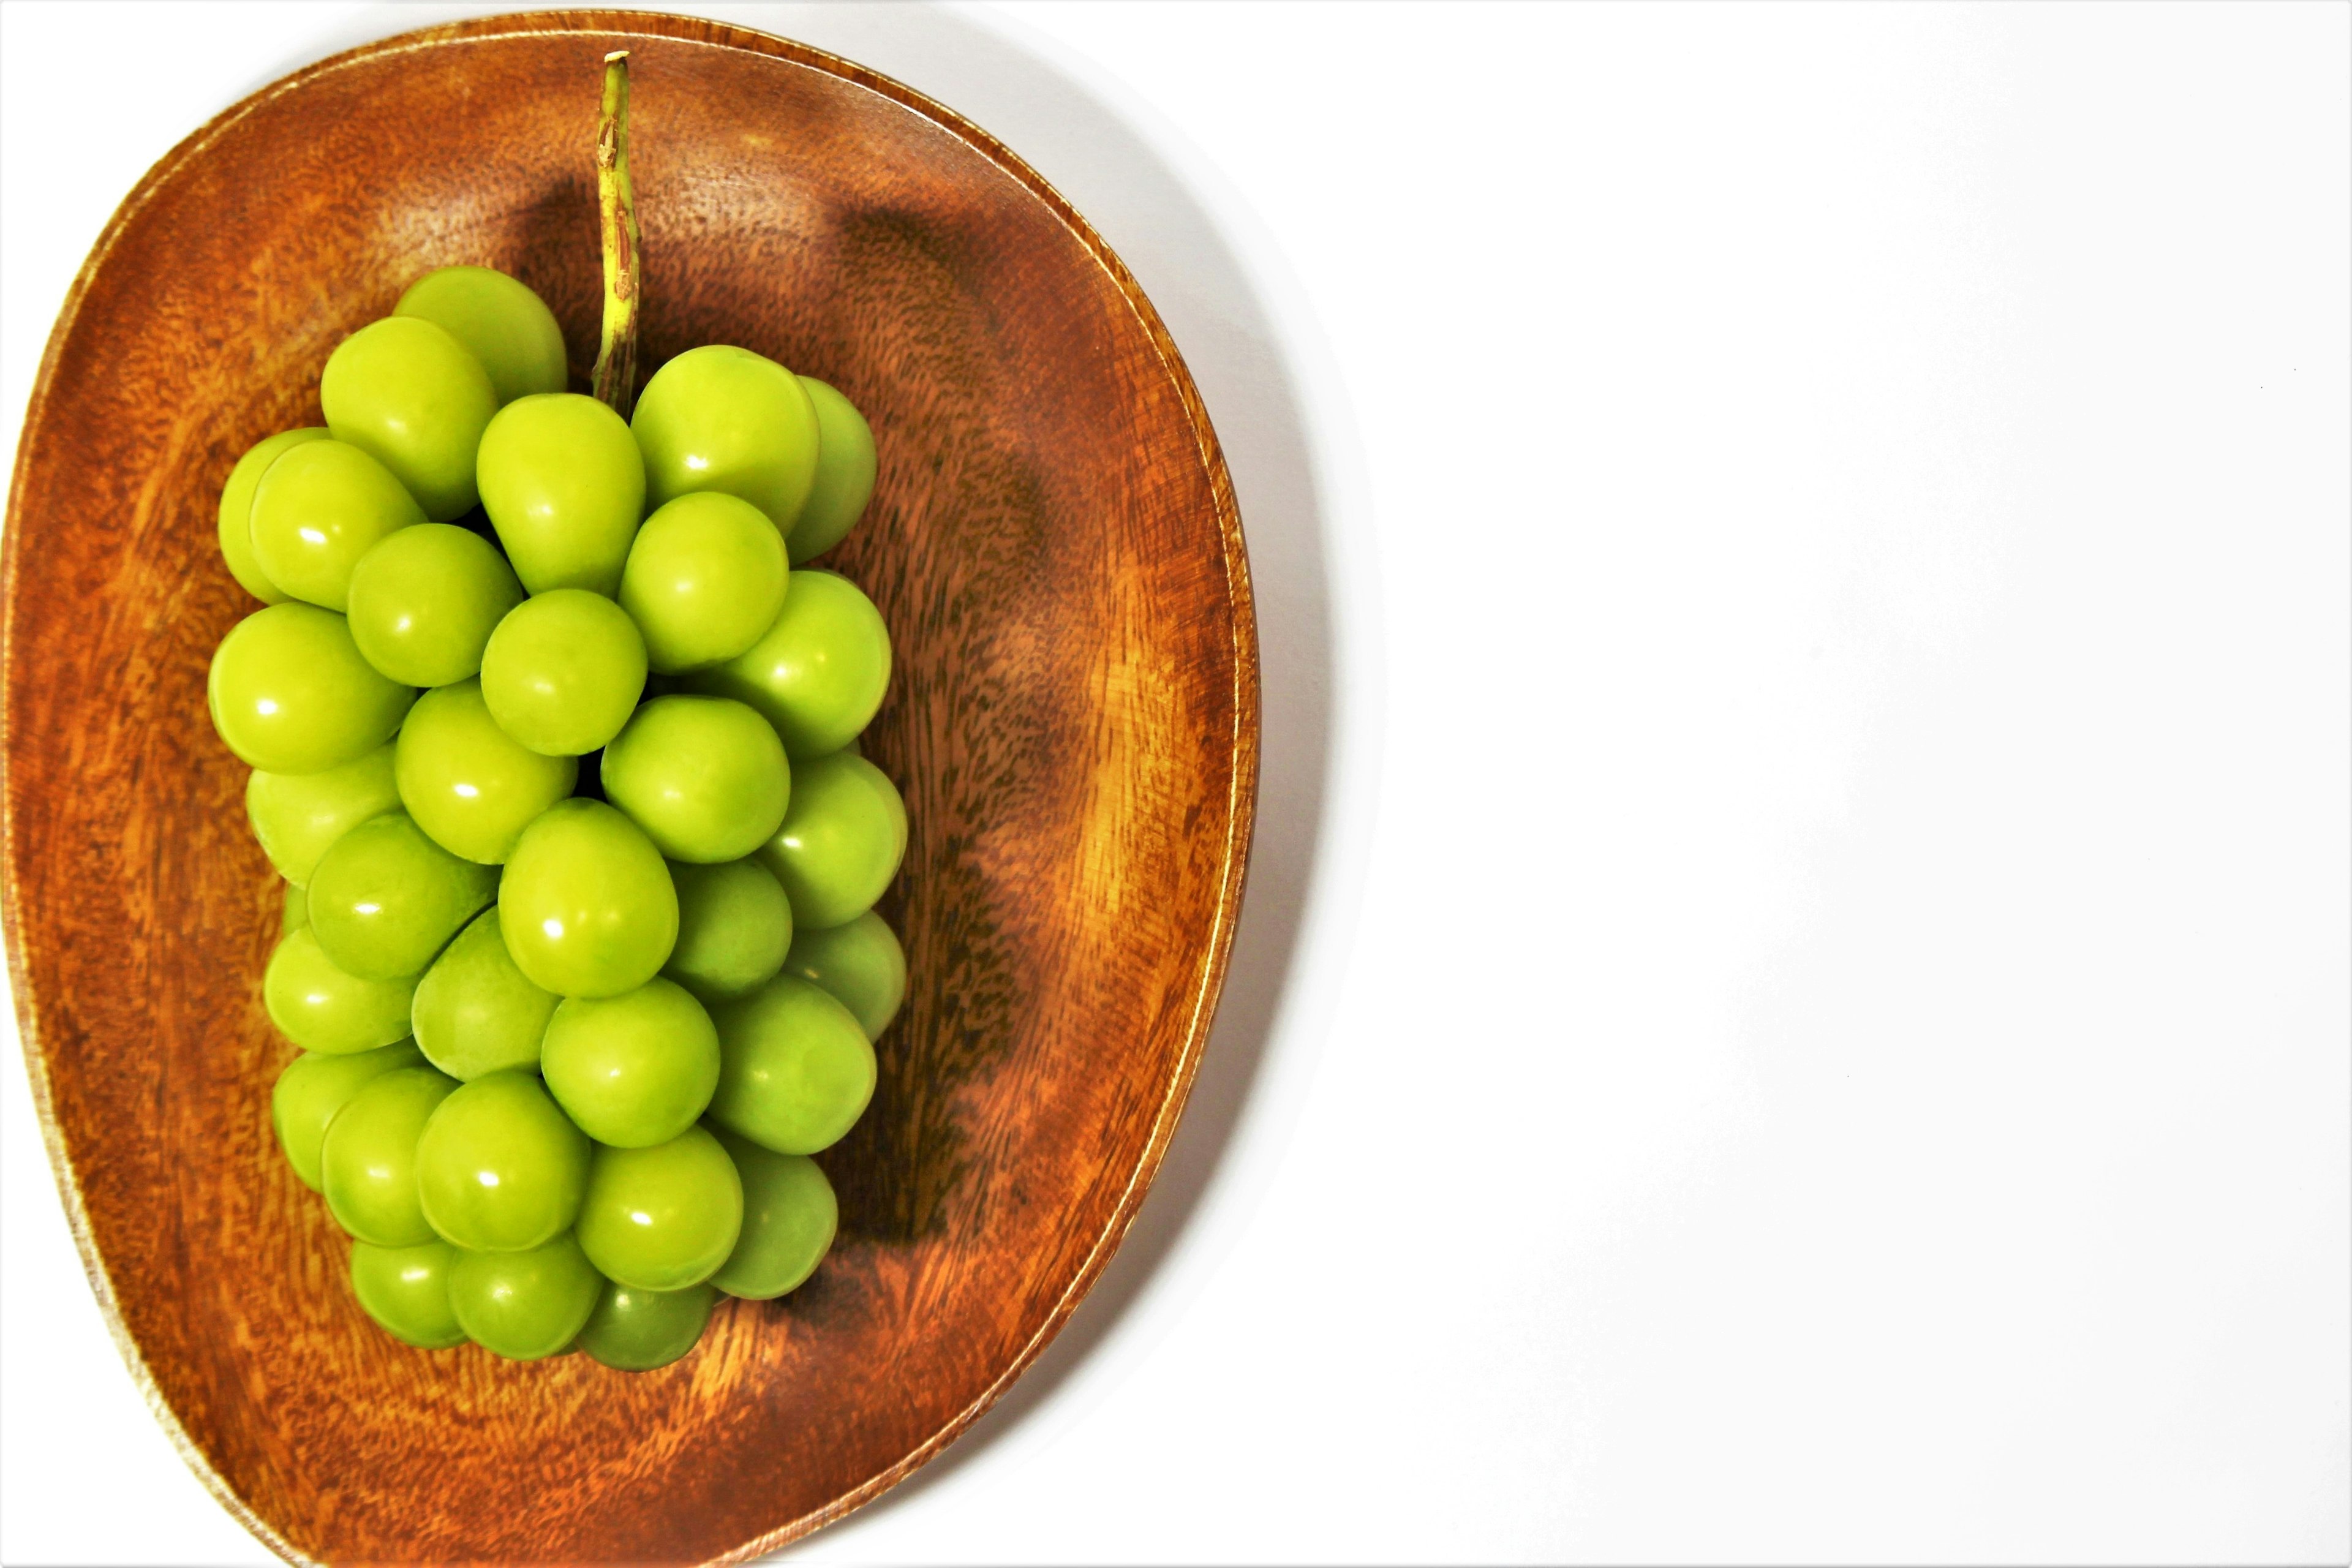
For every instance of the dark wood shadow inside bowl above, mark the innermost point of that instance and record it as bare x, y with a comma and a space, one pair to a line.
1073, 720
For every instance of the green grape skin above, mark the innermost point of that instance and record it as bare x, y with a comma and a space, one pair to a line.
367, 1162
466, 782
525, 1305
320, 1007
423, 601
796, 1071
564, 485
319, 509
407, 1290
237, 511
722, 418
501, 322
477, 1014
290, 692
386, 899
705, 578
662, 1218
500, 1167
635, 1069
845, 473
563, 671
818, 674
410, 395
861, 964
312, 1087
734, 928
297, 817
586, 904
297, 912
841, 841
790, 1216
640, 1331
704, 776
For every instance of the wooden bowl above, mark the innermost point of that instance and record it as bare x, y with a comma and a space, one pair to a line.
1074, 720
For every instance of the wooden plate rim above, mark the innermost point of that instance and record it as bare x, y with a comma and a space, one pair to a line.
1242, 811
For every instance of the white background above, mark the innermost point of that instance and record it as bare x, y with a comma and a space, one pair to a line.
1794, 1004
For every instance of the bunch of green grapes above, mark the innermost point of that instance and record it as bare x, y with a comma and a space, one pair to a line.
580, 846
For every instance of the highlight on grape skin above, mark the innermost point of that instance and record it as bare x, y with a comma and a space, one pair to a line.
555, 740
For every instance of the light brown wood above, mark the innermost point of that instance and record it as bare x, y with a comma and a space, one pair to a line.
1074, 722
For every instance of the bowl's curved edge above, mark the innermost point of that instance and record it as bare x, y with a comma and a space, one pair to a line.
28, 1029
1242, 811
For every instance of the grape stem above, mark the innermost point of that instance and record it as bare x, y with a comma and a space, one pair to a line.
615, 379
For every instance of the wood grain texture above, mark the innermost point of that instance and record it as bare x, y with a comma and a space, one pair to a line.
1074, 722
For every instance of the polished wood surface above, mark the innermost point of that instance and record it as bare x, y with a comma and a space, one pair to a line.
1073, 720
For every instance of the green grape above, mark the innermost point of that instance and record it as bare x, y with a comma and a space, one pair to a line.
790, 1216
385, 898
474, 1012
794, 1069
320, 1007
237, 511
587, 906
298, 816
411, 397
841, 842
466, 782
424, 601
734, 928
563, 671
298, 909
637, 1330
720, 418
500, 1168
319, 509
564, 485
662, 1218
635, 1070
311, 1087
407, 1290
290, 694
705, 777
703, 579
860, 963
525, 1305
845, 473
367, 1162
818, 673
501, 322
